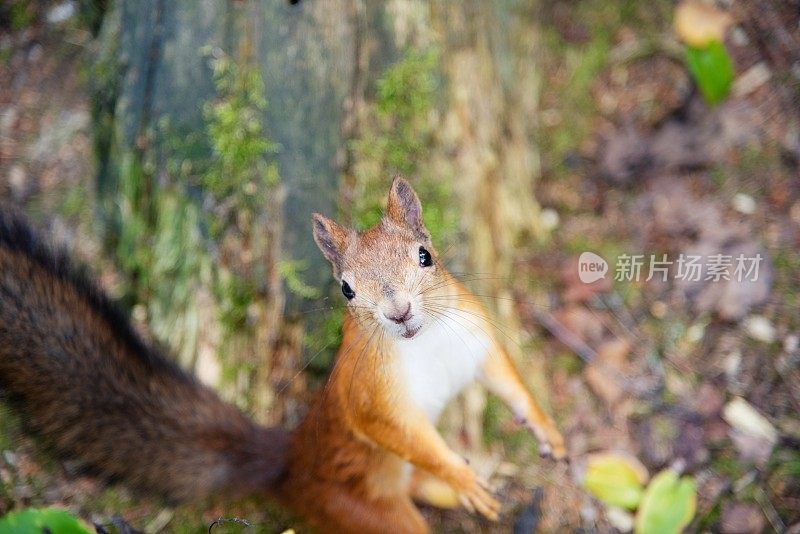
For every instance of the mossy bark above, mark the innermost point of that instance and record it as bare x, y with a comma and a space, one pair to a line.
223, 312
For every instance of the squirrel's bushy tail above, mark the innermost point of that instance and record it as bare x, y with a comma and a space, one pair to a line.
83, 379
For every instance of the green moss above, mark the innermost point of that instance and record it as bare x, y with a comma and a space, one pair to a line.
76, 201
398, 139
323, 338
583, 64
580, 65
291, 271
568, 362
189, 215
726, 463
787, 265
706, 523
263, 516
518, 441
242, 168
405, 98
9, 429
21, 14
785, 464
236, 296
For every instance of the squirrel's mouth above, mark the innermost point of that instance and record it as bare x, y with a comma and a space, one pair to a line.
411, 332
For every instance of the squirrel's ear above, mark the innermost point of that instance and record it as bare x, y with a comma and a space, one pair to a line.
405, 209
331, 239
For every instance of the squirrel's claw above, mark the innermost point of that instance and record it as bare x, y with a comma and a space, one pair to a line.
473, 493
551, 442
558, 450
479, 500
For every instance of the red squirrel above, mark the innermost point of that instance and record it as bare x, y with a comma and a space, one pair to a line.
414, 337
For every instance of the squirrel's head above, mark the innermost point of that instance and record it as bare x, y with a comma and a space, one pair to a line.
388, 271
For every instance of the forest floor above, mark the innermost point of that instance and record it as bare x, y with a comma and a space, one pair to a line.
633, 163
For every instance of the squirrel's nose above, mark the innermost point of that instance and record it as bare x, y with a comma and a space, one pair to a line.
400, 317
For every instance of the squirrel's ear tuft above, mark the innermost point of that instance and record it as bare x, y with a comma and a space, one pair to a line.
331, 239
405, 209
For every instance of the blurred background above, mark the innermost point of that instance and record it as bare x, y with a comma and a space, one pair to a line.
178, 150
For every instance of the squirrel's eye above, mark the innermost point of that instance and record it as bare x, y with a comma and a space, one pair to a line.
348, 291
425, 259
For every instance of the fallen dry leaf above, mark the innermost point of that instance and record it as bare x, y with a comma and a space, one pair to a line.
741, 415
760, 328
577, 291
697, 138
698, 228
708, 400
752, 434
698, 23
603, 375
741, 518
582, 322
616, 479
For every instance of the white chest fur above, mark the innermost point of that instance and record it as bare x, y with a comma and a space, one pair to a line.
441, 361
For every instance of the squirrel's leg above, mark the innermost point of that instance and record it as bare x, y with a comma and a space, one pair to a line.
409, 434
500, 376
431, 490
343, 513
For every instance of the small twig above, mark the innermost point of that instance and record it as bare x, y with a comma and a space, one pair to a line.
120, 526
589, 355
769, 510
643, 48
614, 304
566, 336
223, 520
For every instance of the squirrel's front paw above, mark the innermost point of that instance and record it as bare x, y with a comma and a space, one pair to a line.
474, 495
551, 442
553, 446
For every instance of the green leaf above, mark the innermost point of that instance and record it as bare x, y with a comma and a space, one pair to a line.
712, 69
614, 480
668, 504
37, 521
